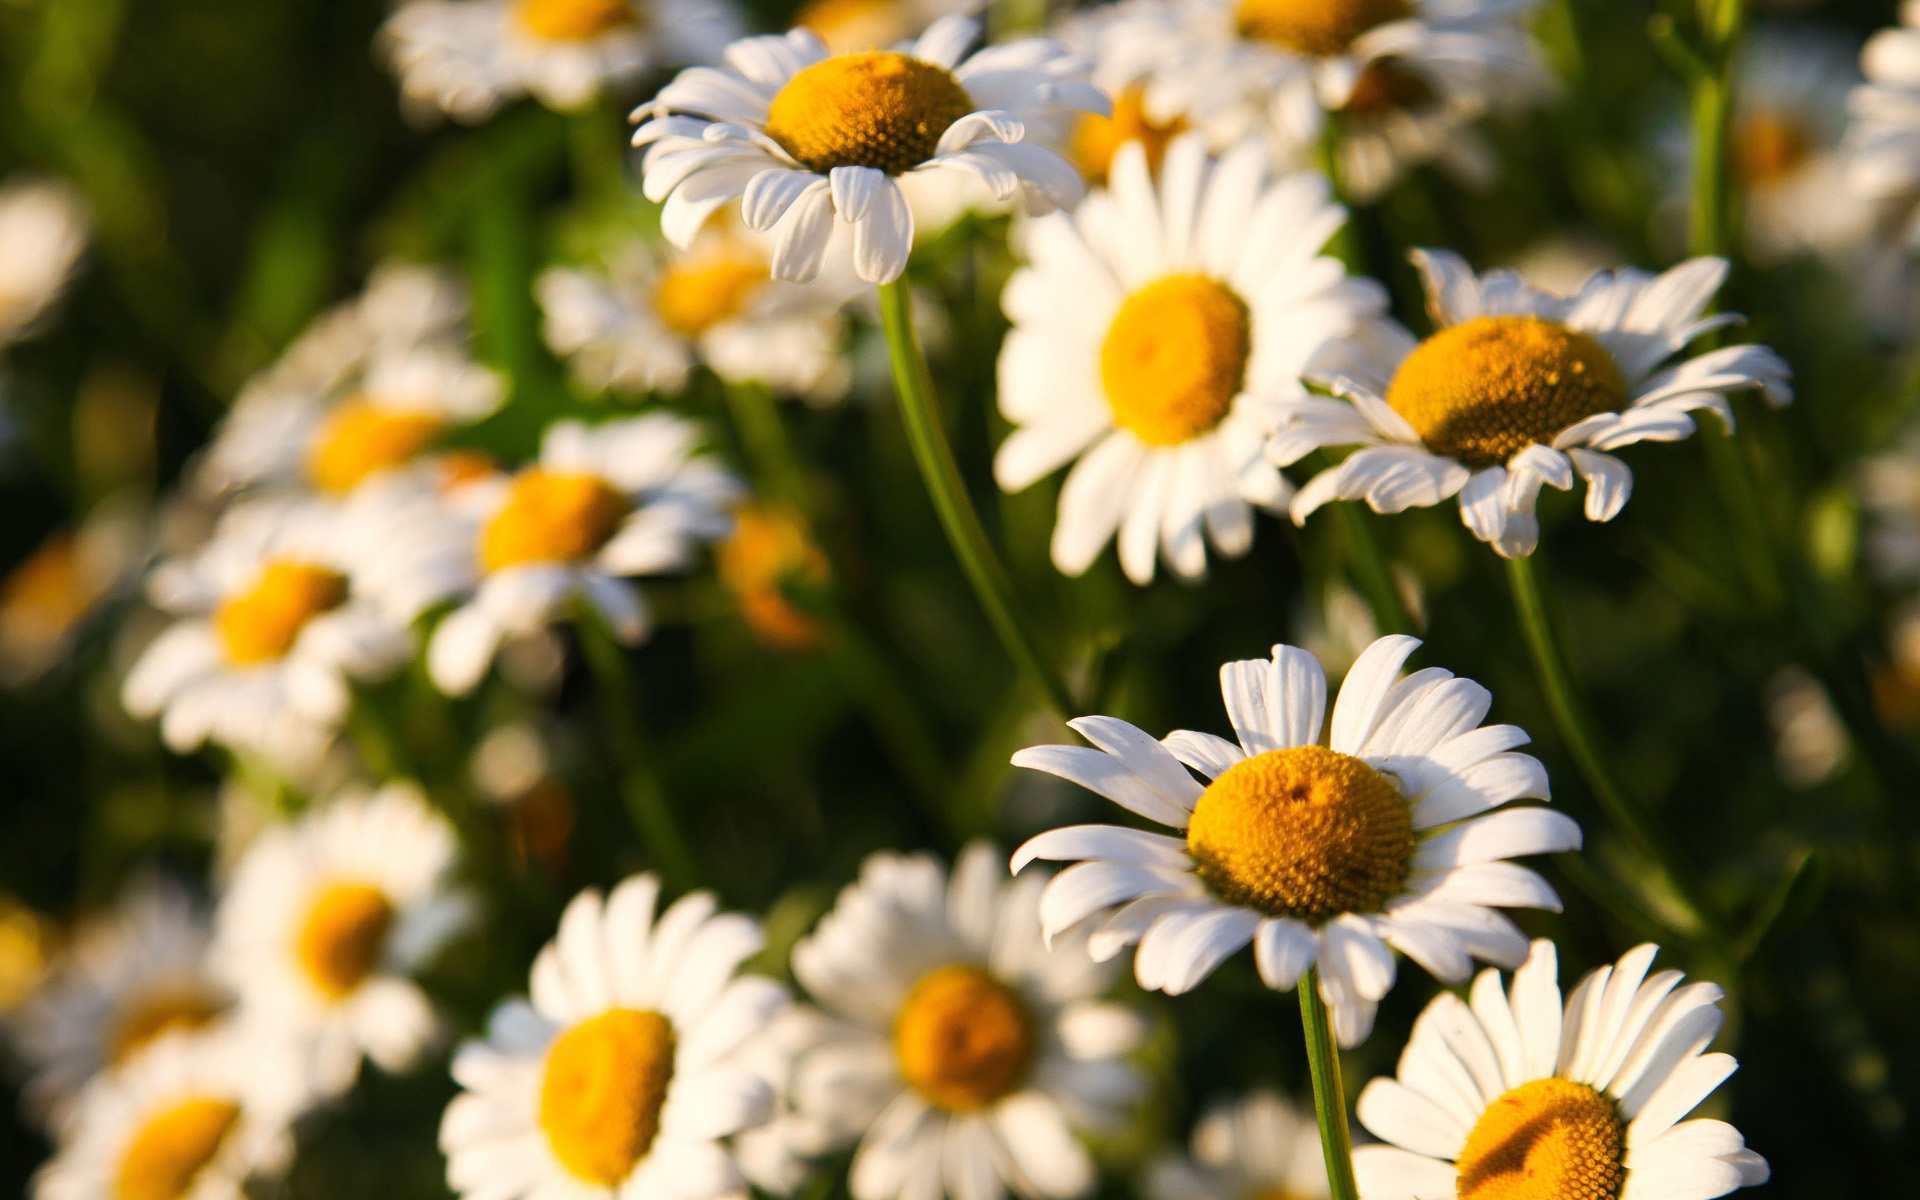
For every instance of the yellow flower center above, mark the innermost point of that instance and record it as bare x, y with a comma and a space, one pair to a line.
161, 1161
1386, 86
573, 20
963, 1038
1304, 833
262, 623
164, 1008
550, 517
769, 551
1175, 357
343, 936
877, 108
1483, 391
605, 1083
1768, 146
1316, 27
1551, 1139
694, 296
359, 438
849, 25
1096, 139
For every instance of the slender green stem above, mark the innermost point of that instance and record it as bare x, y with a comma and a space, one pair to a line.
920, 411
1329, 1098
1371, 574
763, 439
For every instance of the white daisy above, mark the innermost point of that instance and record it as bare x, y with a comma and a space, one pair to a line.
130, 976
1883, 141
603, 504
959, 1052
43, 231
617, 1080
1332, 855
1889, 485
1260, 1146
1157, 334
803, 135
849, 26
467, 58
1518, 388
1508, 1094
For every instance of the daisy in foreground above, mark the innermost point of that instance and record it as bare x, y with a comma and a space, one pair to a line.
616, 1080
1156, 335
803, 136
1520, 388
1329, 856
1258, 1147
1509, 1094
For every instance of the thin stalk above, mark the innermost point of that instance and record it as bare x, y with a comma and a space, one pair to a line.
920, 411
1329, 1098
1371, 574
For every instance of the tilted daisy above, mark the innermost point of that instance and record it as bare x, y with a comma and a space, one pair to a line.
1260, 1146
962, 1053
804, 136
1384, 838
1157, 334
1520, 388
43, 231
326, 917
618, 1079
1883, 139
1507, 1094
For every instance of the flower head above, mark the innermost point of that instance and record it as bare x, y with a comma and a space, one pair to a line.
43, 231
1260, 1146
1883, 140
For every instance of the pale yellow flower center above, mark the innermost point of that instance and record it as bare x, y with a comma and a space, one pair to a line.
1305, 833
262, 623
170, 1150
1316, 27
573, 20
1175, 357
695, 295
1551, 1139
877, 109
1096, 139
963, 1038
1768, 146
1483, 391
1387, 86
359, 438
342, 938
850, 25
164, 1008
606, 1081
768, 551
550, 517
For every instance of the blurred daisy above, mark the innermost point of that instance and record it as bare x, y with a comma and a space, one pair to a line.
1508, 1094
850, 26
46, 601
1259, 1147
1518, 388
1789, 116
770, 551
1157, 334
962, 1052
603, 504
130, 976
273, 630
326, 917
1883, 140
1332, 855
193, 1119
43, 231
1889, 485
803, 135
467, 58
617, 1079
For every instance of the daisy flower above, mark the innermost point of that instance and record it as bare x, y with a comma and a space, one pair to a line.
771, 550
131, 975
1889, 486
1518, 388
1883, 140
468, 58
850, 26
1260, 1146
1507, 1093
962, 1052
43, 231
803, 135
48, 599
1384, 838
617, 1080
1157, 334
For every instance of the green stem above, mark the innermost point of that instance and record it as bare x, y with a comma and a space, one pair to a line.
1329, 1098
1371, 574
920, 411
764, 442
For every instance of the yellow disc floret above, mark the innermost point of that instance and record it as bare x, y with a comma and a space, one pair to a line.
1316, 27
1175, 357
769, 552
1096, 139
163, 1159
695, 295
1485, 390
606, 1080
262, 623
164, 1008
551, 517
1305, 833
359, 438
963, 1038
574, 20
877, 108
343, 936
1552, 1139
1768, 146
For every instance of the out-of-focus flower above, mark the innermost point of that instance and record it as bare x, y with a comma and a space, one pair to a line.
47, 598
1332, 856
467, 58
618, 1079
1789, 117
850, 26
805, 136
1097, 139
769, 551
1510, 1094
1520, 388
1889, 485
1883, 140
1260, 1146
326, 917
1809, 740
43, 231
1157, 334
26, 952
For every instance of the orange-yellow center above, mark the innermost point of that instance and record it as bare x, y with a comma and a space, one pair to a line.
850, 25
1551, 1139
1768, 146
1485, 390
1305, 833
1096, 139
164, 1008
359, 438
606, 1080
1175, 357
574, 20
695, 295
262, 623
163, 1159
963, 1039
1316, 27
769, 553
1387, 86
49, 591
344, 933
551, 517
877, 108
